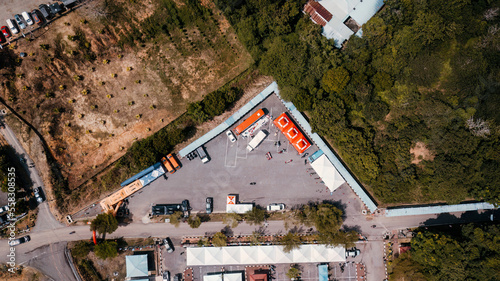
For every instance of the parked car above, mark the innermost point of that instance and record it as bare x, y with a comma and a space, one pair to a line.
168, 245
35, 14
18, 241
352, 252
2, 38
230, 136
12, 25
20, 21
276, 207
55, 8
185, 208
5, 31
166, 276
46, 12
27, 18
38, 196
209, 205
4, 209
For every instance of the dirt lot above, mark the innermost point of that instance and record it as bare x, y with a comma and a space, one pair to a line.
90, 111
28, 274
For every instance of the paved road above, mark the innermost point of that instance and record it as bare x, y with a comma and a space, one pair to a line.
51, 261
45, 218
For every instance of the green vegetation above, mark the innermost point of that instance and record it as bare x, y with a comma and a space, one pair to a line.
425, 72
468, 253
294, 272
290, 241
194, 221
214, 103
256, 216
104, 223
106, 249
219, 240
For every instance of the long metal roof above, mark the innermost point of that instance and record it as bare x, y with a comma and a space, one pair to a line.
428, 210
351, 181
230, 121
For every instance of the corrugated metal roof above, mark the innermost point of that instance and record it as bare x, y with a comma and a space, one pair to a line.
366, 10
428, 210
151, 176
356, 187
141, 174
230, 121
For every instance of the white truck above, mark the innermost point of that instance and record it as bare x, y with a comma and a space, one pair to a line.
202, 154
256, 140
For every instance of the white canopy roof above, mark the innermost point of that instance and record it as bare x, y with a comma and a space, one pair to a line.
235, 276
327, 172
137, 265
262, 255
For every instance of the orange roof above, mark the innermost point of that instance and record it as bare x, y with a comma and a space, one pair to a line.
292, 132
258, 277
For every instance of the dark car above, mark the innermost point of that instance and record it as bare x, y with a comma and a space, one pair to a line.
185, 208
18, 241
2, 38
166, 276
165, 209
168, 245
46, 12
55, 8
5, 31
35, 14
209, 205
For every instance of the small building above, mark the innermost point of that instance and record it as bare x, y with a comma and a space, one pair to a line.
342, 18
137, 267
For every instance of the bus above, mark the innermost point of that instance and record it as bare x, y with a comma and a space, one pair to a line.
174, 163
249, 121
167, 165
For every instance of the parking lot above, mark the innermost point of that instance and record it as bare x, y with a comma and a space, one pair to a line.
283, 179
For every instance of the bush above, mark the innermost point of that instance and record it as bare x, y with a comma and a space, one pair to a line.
194, 221
106, 249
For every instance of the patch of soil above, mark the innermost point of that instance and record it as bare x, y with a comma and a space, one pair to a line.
420, 152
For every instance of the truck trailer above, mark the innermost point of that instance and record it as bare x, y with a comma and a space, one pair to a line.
256, 140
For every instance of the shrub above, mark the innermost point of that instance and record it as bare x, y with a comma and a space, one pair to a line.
77, 77
62, 87
102, 83
120, 56
129, 68
105, 61
44, 46
137, 81
113, 75
85, 92
108, 96
138, 116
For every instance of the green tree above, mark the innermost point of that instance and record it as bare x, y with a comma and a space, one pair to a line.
219, 239
256, 216
175, 218
81, 249
231, 219
106, 249
293, 273
335, 80
194, 221
195, 110
290, 241
104, 223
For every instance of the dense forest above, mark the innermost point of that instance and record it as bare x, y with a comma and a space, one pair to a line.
411, 107
466, 252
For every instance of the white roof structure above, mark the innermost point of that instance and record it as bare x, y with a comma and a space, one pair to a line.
249, 255
137, 266
359, 10
327, 172
235, 276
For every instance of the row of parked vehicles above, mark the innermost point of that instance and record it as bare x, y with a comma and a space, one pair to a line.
38, 16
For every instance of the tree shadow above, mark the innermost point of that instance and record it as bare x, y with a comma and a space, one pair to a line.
227, 230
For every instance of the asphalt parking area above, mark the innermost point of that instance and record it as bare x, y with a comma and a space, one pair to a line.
343, 271
283, 179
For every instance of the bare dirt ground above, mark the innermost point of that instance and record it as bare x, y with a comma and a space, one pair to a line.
90, 111
420, 152
28, 273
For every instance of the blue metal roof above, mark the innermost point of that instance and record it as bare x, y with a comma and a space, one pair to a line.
141, 174
230, 121
428, 210
323, 272
315, 155
151, 176
137, 265
351, 181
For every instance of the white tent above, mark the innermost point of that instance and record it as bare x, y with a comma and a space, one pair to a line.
327, 172
212, 277
249, 255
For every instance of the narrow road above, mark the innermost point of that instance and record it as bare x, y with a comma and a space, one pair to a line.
45, 218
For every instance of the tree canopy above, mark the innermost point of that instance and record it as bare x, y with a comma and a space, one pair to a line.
424, 72
104, 223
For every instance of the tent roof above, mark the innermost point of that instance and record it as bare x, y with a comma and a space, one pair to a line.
212, 277
262, 255
327, 172
137, 265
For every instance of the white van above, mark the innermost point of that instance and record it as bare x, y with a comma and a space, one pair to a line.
12, 26
276, 207
27, 18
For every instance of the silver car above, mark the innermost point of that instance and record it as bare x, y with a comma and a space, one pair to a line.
230, 136
20, 21
38, 197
